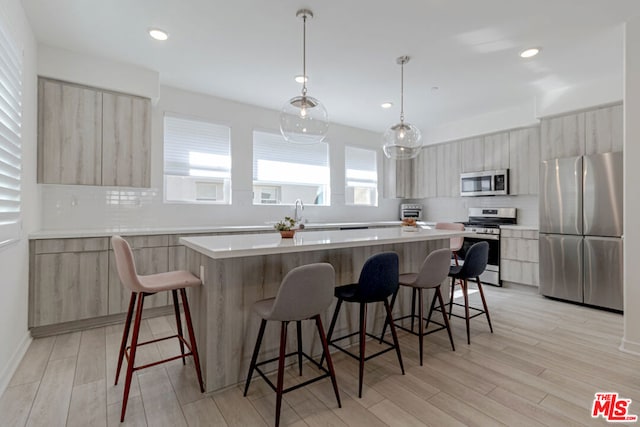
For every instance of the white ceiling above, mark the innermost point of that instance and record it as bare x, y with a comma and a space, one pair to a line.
250, 50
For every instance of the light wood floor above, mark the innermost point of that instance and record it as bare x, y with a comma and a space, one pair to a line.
541, 366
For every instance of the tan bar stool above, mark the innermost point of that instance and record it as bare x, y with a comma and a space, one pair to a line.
304, 293
434, 270
141, 287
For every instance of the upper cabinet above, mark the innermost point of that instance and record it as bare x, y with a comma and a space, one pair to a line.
496, 151
404, 178
524, 159
589, 132
562, 136
430, 168
448, 169
472, 154
88, 136
604, 130
126, 140
69, 134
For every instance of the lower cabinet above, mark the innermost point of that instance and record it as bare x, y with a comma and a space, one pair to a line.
68, 280
519, 256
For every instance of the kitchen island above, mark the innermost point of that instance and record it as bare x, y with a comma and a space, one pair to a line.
241, 269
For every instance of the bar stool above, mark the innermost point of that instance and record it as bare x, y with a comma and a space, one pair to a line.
455, 243
378, 280
475, 262
141, 287
434, 270
304, 293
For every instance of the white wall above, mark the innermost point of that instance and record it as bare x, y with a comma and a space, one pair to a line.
631, 338
14, 259
87, 207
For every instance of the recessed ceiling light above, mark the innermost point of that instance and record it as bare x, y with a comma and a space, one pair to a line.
301, 79
386, 104
158, 34
528, 53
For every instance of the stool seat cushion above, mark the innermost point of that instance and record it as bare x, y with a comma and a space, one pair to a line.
409, 279
264, 307
454, 270
347, 292
168, 281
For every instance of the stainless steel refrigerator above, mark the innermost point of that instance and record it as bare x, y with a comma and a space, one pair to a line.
581, 229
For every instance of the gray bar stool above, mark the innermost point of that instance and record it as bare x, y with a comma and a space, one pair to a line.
304, 293
434, 270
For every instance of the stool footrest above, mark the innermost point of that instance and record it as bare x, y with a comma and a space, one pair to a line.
169, 359
297, 386
357, 357
408, 316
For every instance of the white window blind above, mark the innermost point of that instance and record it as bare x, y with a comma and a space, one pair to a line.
197, 160
284, 172
10, 136
361, 173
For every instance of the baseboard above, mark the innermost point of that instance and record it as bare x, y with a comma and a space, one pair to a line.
10, 369
630, 347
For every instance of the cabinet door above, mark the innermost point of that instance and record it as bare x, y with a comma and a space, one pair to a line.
430, 170
604, 130
126, 141
448, 167
562, 136
69, 134
148, 261
69, 286
472, 154
404, 178
524, 161
496, 151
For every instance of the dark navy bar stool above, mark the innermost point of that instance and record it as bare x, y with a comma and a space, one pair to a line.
475, 262
378, 280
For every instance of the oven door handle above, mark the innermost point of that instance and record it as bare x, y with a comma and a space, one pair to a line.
481, 236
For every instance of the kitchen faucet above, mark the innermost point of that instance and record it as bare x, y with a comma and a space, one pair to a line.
298, 216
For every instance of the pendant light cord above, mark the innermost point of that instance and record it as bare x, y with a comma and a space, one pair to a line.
402, 92
304, 55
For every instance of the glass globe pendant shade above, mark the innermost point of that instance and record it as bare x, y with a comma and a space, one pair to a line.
402, 141
304, 120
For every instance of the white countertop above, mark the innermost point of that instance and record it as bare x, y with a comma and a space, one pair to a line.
232, 246
139, 231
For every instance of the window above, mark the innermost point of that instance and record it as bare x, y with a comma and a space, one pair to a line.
284, 172
10, 137
197, 161
361, 176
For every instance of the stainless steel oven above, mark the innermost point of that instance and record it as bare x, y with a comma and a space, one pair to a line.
485, 223
411, 211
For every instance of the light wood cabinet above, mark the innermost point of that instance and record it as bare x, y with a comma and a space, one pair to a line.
562, 136
404, 178
126, 140
70, 134
472, 154
604, 128
151, 255
524, 161
68, 280
430, 173
519, 256
448, 168
496, 151
87, 136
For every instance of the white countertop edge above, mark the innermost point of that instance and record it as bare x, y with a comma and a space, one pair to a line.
138, 231
223, 247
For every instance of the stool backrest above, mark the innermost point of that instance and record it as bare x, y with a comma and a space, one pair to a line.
455, 243
475, 260
435, 268
379, 277
125, 264
304, 292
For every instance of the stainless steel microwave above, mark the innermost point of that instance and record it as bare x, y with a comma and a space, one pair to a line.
485, 183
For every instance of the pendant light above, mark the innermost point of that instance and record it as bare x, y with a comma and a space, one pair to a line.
304, 119
402, 140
